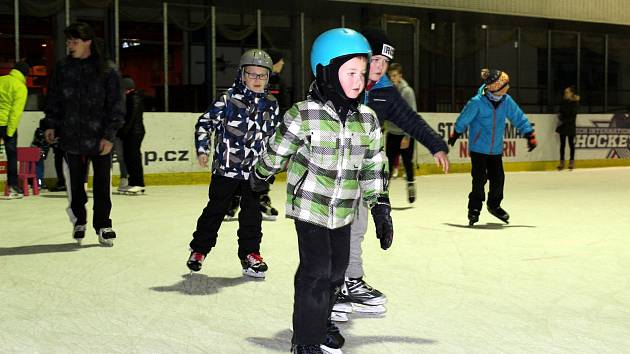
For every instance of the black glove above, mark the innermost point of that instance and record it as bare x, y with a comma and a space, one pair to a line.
383, 222
531, 141
259, 184
453, 138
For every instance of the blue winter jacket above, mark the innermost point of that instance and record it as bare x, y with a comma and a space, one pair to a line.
486, 123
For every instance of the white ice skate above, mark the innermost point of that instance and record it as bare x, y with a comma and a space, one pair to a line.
328, 350
134, 190
338, 316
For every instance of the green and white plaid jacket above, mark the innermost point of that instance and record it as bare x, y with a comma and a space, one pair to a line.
329, 162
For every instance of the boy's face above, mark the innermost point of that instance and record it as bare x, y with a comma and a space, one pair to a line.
352, 76
255, 78
395, 76
378, 67
78, 48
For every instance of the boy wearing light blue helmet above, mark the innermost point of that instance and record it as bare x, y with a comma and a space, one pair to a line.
333, 147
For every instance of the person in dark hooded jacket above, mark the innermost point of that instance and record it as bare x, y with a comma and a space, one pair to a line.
132, 134
383, 97
566, 128
243, 118
85, 109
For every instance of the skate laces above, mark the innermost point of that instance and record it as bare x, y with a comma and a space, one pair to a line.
79, 227
197, 257
254, 258
359, 286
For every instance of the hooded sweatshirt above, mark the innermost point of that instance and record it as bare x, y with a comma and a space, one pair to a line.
13, 95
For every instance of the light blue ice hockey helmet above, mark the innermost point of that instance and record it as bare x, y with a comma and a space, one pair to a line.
335, 43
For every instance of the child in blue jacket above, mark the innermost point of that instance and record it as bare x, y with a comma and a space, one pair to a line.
484, 115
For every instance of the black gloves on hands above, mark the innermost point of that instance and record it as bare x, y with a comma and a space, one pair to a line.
453, 138
258, 183
383, 222
531, 141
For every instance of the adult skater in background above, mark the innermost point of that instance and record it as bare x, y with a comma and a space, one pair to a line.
13, 93
386, 101
566, 128
85, 108
131, 135
334, 151
399, 144
243, 118
484, 116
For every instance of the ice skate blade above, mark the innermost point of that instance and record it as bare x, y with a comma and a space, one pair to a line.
254, 274
106, 242
269, 217
328, 350
79, 241
344, 307
369, 309
338, 316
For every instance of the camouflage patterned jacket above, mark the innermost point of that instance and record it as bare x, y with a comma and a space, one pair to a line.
243, 121
328, 161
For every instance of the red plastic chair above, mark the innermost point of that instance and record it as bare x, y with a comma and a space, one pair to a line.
27, 158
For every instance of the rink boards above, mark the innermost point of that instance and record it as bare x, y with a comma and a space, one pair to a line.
169, 153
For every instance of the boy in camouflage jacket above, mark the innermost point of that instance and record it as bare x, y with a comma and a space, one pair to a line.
243, 118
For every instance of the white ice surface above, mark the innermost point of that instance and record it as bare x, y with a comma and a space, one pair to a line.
555, 280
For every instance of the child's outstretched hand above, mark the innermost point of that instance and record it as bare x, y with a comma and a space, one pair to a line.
441, 159
203, 160
383, 222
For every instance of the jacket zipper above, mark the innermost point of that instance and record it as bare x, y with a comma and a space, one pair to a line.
297, 186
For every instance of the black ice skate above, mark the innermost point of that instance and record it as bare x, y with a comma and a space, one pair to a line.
357, 296
358, 291
78, 233
106, 236
411, 192
473, 216
195, 261
306, 349
500, 214
254, 266
268, 212
334, 339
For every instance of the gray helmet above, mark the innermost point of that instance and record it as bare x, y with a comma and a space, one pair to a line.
256, 57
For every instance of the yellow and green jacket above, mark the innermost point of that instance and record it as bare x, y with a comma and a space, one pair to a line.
13, 95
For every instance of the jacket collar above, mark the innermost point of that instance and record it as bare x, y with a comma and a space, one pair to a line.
315, 95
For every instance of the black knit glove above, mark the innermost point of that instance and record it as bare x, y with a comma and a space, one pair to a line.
453, 138
258, 183
531, 141
383, 222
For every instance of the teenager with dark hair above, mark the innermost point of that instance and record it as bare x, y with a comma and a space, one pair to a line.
84, 110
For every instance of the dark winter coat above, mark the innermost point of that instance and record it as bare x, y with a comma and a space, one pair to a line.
134, 126
388, 104
568, 113
84, 104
